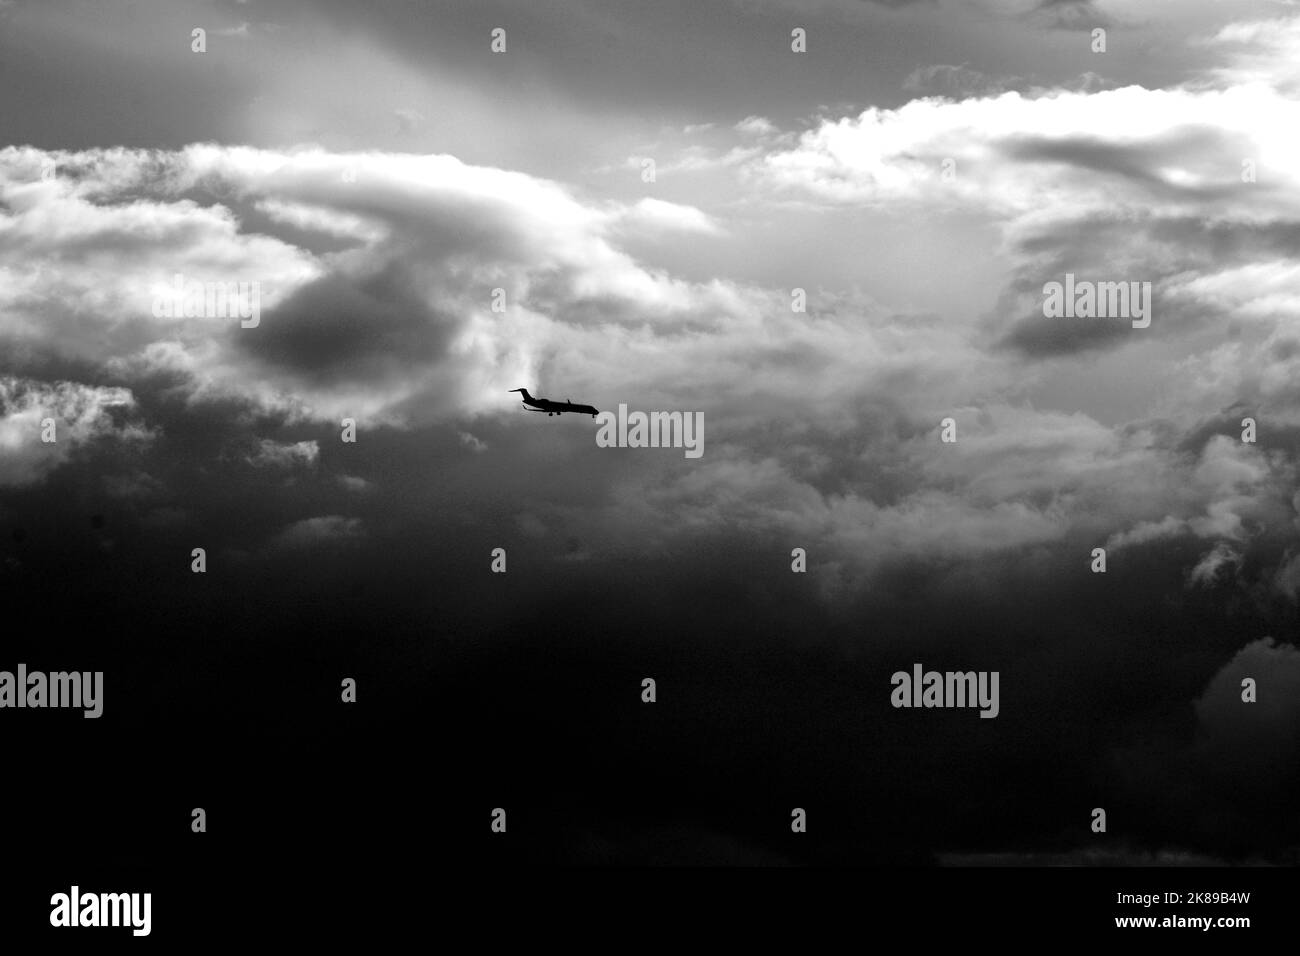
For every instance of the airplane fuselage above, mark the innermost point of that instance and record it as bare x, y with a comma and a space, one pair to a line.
555, 408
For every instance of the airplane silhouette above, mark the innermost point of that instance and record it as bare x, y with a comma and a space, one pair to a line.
553, 408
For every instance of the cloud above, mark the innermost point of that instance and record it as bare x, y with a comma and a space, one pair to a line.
1102, 150
273, 454
755, 126
80, 414
1070, 15
474, 444
947, 79
1260, 53
651, 216
380, 271
1223, 558
381, 330
354, 484
380, 274
1286, 580
1120, 185
314, 532
1146, 531
1247, 742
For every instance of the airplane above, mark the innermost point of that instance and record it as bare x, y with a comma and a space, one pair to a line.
554, 408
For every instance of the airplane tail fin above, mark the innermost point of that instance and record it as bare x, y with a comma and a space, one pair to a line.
527, 397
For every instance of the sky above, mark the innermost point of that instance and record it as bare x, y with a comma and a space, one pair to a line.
919, 171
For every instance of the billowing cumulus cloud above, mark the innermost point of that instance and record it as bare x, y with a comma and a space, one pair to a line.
1186, 188
453, 284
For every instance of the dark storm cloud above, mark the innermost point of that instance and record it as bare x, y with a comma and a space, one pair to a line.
1040, 339
756, 673
1037, 336
345, 329
1100, 248
715, 617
